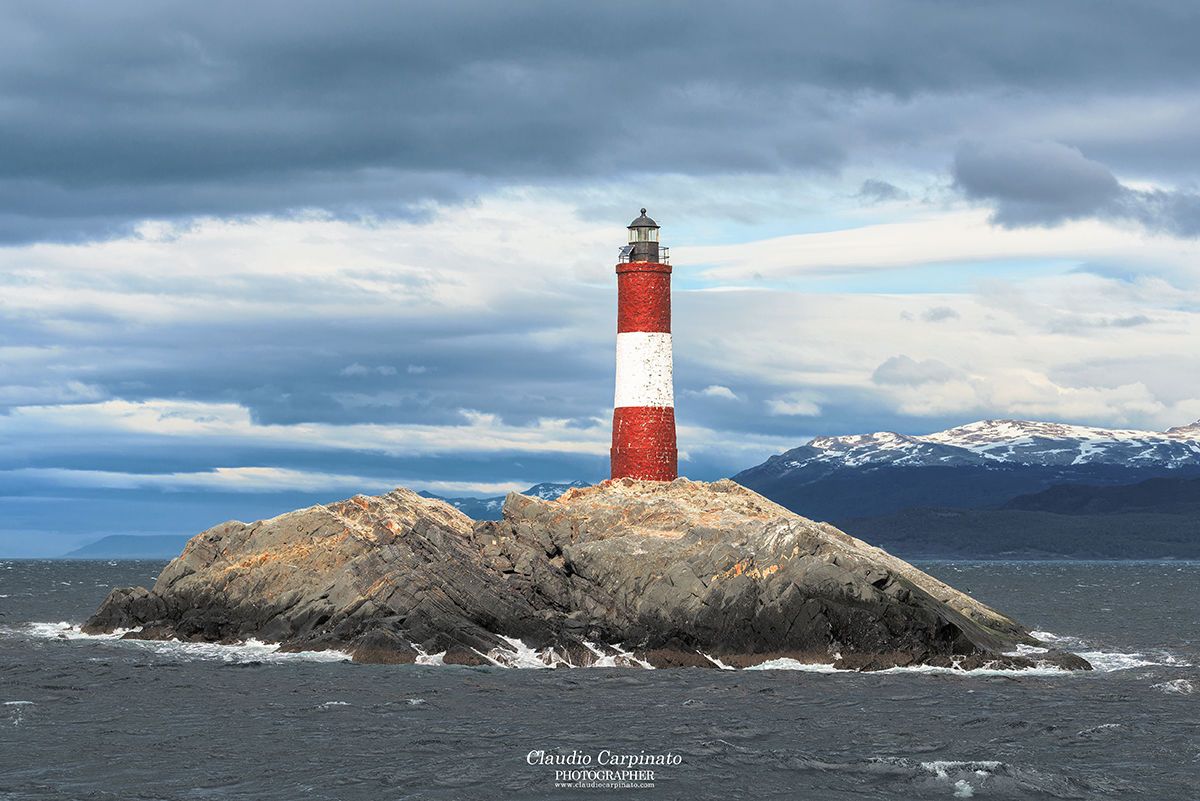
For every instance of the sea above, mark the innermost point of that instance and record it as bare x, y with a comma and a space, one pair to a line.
102, 718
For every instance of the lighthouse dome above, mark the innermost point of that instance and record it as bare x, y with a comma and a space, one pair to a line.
643, 222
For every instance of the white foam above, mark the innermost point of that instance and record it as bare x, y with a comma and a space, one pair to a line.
329, 704
792, 664
424, 658
1109, 661
717, 662
947, 770
522, 656
65, 631
942, 768
251, 650
1037, 670
17, 710
785, 663
621, 658
1056, 640
1175, 686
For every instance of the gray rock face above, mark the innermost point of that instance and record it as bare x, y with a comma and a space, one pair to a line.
626, 572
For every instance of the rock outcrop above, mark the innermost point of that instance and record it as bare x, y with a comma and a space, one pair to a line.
667, 574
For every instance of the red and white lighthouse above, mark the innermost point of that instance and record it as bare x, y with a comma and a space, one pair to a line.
643, 436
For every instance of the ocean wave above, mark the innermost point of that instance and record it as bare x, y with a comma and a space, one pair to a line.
965, 778
792, 664
249, 651
1107, 661
962, 774
16, 711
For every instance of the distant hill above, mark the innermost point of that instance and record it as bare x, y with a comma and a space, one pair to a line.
132, 546
930, 532
1177, 496
976, 466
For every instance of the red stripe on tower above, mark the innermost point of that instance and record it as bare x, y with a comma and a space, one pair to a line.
643, 437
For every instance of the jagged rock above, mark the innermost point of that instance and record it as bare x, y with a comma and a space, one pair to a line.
679, 574
382, 647
459, 655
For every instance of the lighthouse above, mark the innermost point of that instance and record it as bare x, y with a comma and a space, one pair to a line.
643, 433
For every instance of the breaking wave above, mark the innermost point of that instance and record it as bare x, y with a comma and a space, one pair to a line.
520, 656
248, 651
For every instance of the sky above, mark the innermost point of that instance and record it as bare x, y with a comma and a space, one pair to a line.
260, 255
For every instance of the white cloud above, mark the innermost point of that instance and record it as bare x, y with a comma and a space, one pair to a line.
253, 479
68, 392
357, 369
314, 267
933, 238
714, 391
231, 423
794, 406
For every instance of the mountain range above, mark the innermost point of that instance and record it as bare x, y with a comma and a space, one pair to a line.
977, 466
1000, 489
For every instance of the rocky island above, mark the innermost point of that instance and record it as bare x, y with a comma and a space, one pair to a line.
661, 574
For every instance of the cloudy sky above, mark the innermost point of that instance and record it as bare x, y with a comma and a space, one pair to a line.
259, 255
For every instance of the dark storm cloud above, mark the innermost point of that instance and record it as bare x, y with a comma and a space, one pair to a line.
1047, 183
120, 110
874, 190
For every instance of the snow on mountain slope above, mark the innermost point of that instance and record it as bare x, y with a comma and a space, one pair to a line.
549, 490
490, 508
1016, 442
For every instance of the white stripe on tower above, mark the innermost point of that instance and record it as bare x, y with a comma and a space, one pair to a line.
644, 370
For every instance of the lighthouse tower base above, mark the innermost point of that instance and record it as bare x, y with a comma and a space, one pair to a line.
644, 443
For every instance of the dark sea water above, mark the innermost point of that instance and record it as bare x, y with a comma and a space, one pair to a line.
97, 718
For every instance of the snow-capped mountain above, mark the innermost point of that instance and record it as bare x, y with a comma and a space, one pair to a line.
977, 465
1006, 441
550, 491
490, 508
